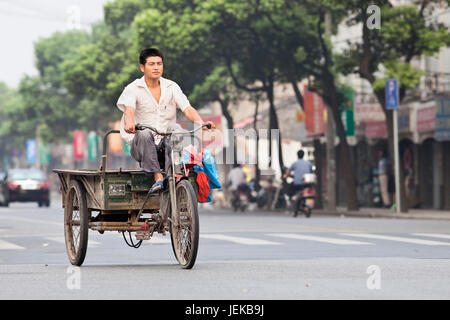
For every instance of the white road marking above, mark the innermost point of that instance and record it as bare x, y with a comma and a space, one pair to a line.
91, 243
400, 239
159, 239
319, 239
4, 245
240, 240
433, 235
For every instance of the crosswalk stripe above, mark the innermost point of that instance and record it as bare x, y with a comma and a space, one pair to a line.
400, 239
319, 239
433, 235
240, 240
4, 245
91, 243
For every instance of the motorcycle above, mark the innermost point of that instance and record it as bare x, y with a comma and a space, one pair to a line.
241, 198
303, 200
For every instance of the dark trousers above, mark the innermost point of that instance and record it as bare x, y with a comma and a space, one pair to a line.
152, 158
294, 188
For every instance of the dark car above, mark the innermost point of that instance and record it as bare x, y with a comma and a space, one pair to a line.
3, 189
27, 185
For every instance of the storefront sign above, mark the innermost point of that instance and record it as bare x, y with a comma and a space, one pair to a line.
368, 112
375, 129
426, 119
442, 127
314, 109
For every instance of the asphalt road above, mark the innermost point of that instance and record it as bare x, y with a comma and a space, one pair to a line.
241, 256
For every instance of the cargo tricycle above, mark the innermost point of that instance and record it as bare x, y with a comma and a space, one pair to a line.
120, 200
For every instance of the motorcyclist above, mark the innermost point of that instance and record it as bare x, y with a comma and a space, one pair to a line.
299, 168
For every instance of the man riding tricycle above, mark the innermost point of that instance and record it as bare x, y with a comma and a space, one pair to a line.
162, 196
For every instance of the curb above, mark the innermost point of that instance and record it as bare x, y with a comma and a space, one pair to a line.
445, 215
430, 215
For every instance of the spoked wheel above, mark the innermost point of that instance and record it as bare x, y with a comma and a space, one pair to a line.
76, 223
184, 225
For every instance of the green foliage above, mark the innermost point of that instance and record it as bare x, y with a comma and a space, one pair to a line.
407, 75
213, 48
406, 32
51, 52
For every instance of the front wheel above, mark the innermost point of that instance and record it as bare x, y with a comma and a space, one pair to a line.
184, 225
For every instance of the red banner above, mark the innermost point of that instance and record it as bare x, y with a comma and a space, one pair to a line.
78, 145
314, 109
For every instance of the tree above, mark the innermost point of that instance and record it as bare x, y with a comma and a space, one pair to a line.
303, 50
176, 28
97, 75
407, 32
10, 105
244, 40
44, 102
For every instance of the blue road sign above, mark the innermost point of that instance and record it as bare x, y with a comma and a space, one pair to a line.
31, 151
392, 94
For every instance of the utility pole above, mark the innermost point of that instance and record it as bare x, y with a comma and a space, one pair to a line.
330, 134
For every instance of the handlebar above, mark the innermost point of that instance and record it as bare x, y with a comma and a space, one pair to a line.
143, 127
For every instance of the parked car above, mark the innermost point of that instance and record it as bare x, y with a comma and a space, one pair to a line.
27, 185
3, 190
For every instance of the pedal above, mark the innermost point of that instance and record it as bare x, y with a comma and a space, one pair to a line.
143, 235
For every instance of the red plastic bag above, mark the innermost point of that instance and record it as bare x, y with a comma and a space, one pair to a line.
203, 186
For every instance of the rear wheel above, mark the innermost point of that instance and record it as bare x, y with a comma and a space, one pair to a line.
296, 207
184, 225
308, 212
76, 223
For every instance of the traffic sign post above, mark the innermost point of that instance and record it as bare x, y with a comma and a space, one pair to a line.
392, 103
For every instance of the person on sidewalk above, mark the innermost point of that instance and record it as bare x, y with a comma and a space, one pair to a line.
383, 177
152, 100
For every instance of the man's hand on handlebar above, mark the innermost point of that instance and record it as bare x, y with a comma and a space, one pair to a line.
129, 128
209, 125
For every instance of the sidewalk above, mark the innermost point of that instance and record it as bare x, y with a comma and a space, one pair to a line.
387, 213
424, 214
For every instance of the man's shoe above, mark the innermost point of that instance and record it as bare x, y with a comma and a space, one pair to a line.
157, 187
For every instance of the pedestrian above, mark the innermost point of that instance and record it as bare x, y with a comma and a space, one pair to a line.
383, 177
236, 177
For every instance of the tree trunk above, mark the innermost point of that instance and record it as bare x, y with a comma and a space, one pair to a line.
273, 124
318, 154
257, 170
230, 123
352, 201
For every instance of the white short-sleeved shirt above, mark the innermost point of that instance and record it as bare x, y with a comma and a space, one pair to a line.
158, 115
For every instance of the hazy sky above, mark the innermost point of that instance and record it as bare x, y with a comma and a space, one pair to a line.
23, 22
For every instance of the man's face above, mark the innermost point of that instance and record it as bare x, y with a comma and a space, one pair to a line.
153, 68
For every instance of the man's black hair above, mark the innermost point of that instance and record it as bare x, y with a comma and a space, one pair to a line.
150, 52
300, 154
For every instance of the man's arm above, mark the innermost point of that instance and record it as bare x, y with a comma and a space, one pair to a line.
193, 115
128, 120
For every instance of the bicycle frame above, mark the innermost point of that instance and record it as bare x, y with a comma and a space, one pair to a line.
172, 169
